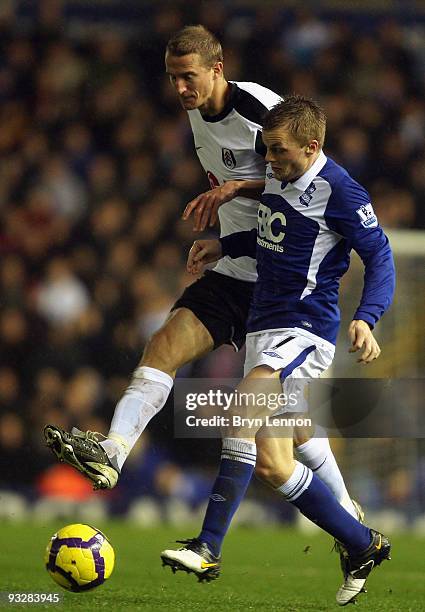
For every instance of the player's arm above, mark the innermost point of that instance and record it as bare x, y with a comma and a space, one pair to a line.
378, 292
358, 224
235, 245
205, 206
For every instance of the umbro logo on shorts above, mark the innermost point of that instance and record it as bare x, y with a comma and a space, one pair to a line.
272, 354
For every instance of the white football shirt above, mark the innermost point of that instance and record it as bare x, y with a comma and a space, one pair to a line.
229, 147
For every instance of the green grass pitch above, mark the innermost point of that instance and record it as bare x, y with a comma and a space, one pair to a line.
263, 569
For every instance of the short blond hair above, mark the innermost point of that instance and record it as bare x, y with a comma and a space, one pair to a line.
196, 39
302, 117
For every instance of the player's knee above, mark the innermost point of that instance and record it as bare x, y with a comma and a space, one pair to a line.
161, 353
274, 474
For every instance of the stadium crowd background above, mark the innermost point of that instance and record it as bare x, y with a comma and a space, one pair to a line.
96, 165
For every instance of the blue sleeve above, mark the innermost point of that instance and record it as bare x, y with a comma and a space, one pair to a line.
240, 244
350, 213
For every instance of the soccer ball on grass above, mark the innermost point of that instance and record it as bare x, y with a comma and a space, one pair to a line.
79, 557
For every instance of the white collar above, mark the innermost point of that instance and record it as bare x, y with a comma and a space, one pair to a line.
305, 179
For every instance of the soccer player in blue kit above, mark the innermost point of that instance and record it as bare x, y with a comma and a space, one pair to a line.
312, 213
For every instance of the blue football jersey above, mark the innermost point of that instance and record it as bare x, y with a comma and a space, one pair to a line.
306, 230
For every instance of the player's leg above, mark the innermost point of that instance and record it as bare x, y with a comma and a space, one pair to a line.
366, 548
313, 451
181, 339
312, 448
311, 444
318, 356
211, 312
201, 555
278, 469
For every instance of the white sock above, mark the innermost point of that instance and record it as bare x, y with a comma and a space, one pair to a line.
238, 449
297, 483
142, 400
317, 454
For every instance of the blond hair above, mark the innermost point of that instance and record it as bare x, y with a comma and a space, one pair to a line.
196, 39
303, 118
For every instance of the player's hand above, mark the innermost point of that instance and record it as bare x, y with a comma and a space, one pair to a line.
205, 206
203, 252
361, 337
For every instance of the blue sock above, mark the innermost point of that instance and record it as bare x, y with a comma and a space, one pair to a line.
315, 500
236, 468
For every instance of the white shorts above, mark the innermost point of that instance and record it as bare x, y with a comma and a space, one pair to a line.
299, 354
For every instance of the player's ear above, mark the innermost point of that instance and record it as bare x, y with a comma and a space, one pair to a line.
218, 69
312, 147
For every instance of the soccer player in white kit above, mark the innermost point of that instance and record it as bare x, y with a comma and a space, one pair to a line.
226, 120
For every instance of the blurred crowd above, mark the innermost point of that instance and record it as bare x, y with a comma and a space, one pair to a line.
97, 163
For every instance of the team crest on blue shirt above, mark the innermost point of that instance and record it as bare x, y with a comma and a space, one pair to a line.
367, 215
228, 158
305, 197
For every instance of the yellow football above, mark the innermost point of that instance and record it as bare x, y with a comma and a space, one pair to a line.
79, 557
